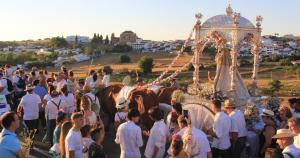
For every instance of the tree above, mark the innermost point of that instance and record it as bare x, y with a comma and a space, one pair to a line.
122, 48
124, 59
146, 64
76, 39
88, 50
275, 86
275, 58
58, 42
106, 40
101, 39
285, 62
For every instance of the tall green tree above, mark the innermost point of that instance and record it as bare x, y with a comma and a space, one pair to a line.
101, 39
146, 64
106, 40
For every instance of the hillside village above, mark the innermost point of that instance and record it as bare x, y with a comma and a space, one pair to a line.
82, 48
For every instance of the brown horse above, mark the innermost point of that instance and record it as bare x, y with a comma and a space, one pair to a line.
108, 102
165, 94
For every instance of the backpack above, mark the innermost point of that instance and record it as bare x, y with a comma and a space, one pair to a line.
10, 86
94, 105
21, 83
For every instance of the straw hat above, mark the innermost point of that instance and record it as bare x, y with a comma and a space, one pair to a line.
86, 88
29, 87
228, 103
122, 102
283, 133
267, 112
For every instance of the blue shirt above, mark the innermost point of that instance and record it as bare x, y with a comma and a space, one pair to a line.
40, 91
9, 144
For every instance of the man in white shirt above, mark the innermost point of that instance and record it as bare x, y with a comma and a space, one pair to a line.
60, 82
51, 110
294, 126
9, 71
285, 141
3, 85
106, 77
129, 136
158, 135
238, 131
89, 79
30, 104
73, 141
220, 132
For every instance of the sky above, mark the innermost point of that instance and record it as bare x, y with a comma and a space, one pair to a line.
149, 19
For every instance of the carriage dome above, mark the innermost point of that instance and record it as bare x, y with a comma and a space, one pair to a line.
226, 21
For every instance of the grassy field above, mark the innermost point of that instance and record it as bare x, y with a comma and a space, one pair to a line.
266, 73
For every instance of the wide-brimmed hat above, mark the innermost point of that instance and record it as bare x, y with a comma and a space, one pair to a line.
86, 87
264, 97
29, 87
122, 102
228, 103
267, 112
284, 133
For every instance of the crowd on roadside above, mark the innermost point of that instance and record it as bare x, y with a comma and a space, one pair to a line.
51, 104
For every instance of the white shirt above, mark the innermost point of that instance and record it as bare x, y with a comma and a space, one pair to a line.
238, 123
297, 141
74, 142
60, 84
221, 127
51, 109
3, 83
47, 97
158, 137
291, 149
201, 139
9, 73
88, 80
30, 104
129, 136
70, 100
120, 116
92, 119
106, 80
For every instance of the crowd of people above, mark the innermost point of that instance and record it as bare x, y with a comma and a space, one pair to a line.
69, 114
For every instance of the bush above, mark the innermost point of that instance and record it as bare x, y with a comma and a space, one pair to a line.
40, 64
267, 59
285, 62
275, 86
244, 62
125, 59
191, 67
146, 64
124, 71
275, 58
122, 48
211, 66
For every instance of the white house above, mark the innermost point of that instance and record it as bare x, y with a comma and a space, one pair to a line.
81, 39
